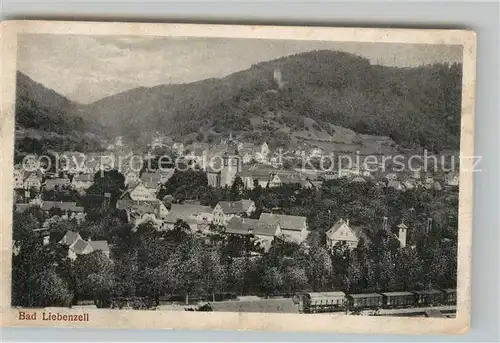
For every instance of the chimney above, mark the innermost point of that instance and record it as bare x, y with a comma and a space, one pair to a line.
384, 225
89, 239
402, 234
347, 222
429, 225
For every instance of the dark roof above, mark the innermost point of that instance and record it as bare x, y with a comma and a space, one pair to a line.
289, 177
22, 207
245, 226
131, 186
83, 178
186, 212
394, 184
151, 180
235, 207
360, 233
337, 226
140, 207
57, 182
397, 294
65, 206
258, 173
432, 291
79, 246
365, 295
287, 222
261, 306
99, 245
70, 237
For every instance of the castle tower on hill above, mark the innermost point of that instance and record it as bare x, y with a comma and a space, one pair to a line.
277, 77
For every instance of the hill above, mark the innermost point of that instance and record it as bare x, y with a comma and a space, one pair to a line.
46, 120
416, 107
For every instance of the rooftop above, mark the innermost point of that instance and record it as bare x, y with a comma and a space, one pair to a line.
287, 222
245, 226
235, 207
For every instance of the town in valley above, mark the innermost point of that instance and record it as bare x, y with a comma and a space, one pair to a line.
262, 209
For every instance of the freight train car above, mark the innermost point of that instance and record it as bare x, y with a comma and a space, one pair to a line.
365, 300
322, 302
398, 299
429, 297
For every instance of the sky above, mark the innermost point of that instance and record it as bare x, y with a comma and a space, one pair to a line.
87, 68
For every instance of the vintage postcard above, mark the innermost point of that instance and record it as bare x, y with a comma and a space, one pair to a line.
186, 176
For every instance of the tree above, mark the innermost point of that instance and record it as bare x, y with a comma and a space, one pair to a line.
272, 280
320, 268
214, 278
237, 189
93, 277
49, 289
109, 181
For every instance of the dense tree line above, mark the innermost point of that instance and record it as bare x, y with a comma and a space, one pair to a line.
148, 263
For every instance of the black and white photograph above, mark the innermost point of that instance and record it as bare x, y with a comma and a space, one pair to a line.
170, 173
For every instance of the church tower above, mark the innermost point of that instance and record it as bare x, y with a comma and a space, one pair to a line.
231, 167
402, 231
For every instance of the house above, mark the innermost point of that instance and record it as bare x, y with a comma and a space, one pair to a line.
138, 191
82, 181
263, 231
178, 149
139, 212
196, 216
33, 180
225, 210
316, 152
21, 207
437, 186
247, 152
294, 227
83, 247
262, 175
341, 231
55, 184
262, 155
131, 176
72, 161
452, 179
70, 238
151, 181
395, 185
283, 177
391, 176
358, 179
408, 184
18, 178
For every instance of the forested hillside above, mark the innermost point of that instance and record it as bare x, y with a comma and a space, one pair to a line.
414, 106
45, 120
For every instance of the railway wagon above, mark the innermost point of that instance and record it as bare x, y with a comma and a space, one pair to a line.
398, 299
450, 296
429, 297
366, 300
